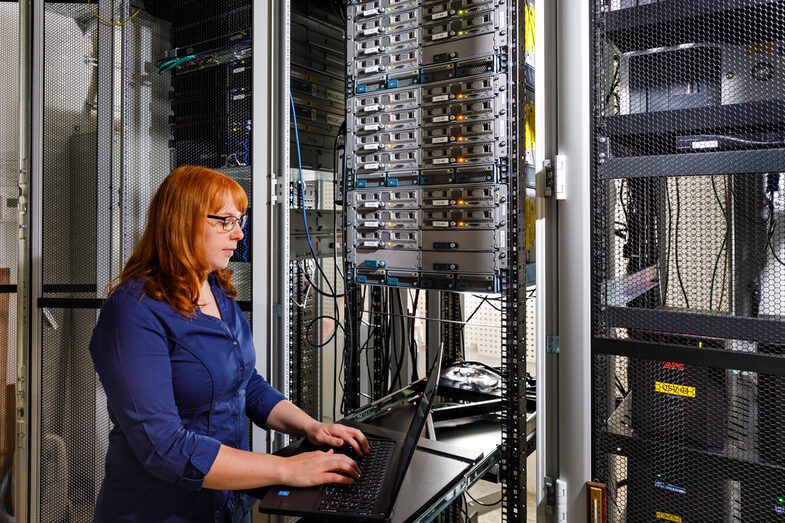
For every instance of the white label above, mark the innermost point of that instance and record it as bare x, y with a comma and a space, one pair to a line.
438, 119
372, 127
371, 224
441, 139
373, 50
371, 108
373, 69
373, 11
441, 224
372, 31
371, 243
372, 205
372, 147
238, 70
238, 97
437, 16
441, 202
440, 36
705, 144
441, 98
440, 161
373, 166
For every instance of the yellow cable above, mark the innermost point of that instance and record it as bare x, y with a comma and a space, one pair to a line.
90, 5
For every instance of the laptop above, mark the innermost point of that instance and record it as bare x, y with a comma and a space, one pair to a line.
372, 496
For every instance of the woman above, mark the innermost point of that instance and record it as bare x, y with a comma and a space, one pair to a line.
175, 356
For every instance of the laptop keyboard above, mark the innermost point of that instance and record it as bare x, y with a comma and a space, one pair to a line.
360, 496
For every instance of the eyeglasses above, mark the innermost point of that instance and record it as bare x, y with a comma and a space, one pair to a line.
230, 221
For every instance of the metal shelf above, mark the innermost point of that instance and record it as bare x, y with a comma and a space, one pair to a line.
764, 112
696, 324
694, 164
676, 22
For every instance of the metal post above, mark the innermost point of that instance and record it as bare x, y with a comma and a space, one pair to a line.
280, 223
29, 48
573, 89
265, 86
546, 317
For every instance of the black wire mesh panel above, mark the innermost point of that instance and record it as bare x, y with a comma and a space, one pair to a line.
687, 268
655, 462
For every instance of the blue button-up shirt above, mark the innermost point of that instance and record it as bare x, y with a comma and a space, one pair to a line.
177, 388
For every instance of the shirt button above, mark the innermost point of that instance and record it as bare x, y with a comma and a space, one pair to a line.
234, 342
237, 418
242, 367
236, 393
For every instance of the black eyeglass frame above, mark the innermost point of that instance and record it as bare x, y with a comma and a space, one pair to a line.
241, 220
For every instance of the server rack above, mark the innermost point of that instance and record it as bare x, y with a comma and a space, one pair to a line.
686, 259
439, 155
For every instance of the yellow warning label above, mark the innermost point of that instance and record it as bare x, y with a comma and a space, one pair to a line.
311, 103
309, 78
676, 390
759, 49
668, 517
529, 27
530, 123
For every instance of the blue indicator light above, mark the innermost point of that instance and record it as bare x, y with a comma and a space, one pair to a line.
283, 492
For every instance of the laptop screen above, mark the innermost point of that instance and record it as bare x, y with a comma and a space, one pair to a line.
422, 409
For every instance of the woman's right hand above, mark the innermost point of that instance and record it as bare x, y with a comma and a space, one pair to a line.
317, 468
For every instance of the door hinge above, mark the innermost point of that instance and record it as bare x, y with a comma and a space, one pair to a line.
561, 500
20, 412
552, 344
555, 178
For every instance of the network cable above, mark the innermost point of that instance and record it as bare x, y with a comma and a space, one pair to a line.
308, 235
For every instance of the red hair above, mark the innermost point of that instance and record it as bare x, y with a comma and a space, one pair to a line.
167, 257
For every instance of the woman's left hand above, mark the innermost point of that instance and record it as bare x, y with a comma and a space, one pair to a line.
336, 435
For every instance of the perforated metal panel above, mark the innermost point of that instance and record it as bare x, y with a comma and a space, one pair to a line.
688, 270
9, 146
114, 126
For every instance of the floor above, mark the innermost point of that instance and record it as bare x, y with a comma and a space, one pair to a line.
487, 492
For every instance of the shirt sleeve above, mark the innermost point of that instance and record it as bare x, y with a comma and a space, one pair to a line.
260, 398
131, 356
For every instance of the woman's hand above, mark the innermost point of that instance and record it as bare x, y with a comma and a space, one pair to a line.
317, 468
335, 435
